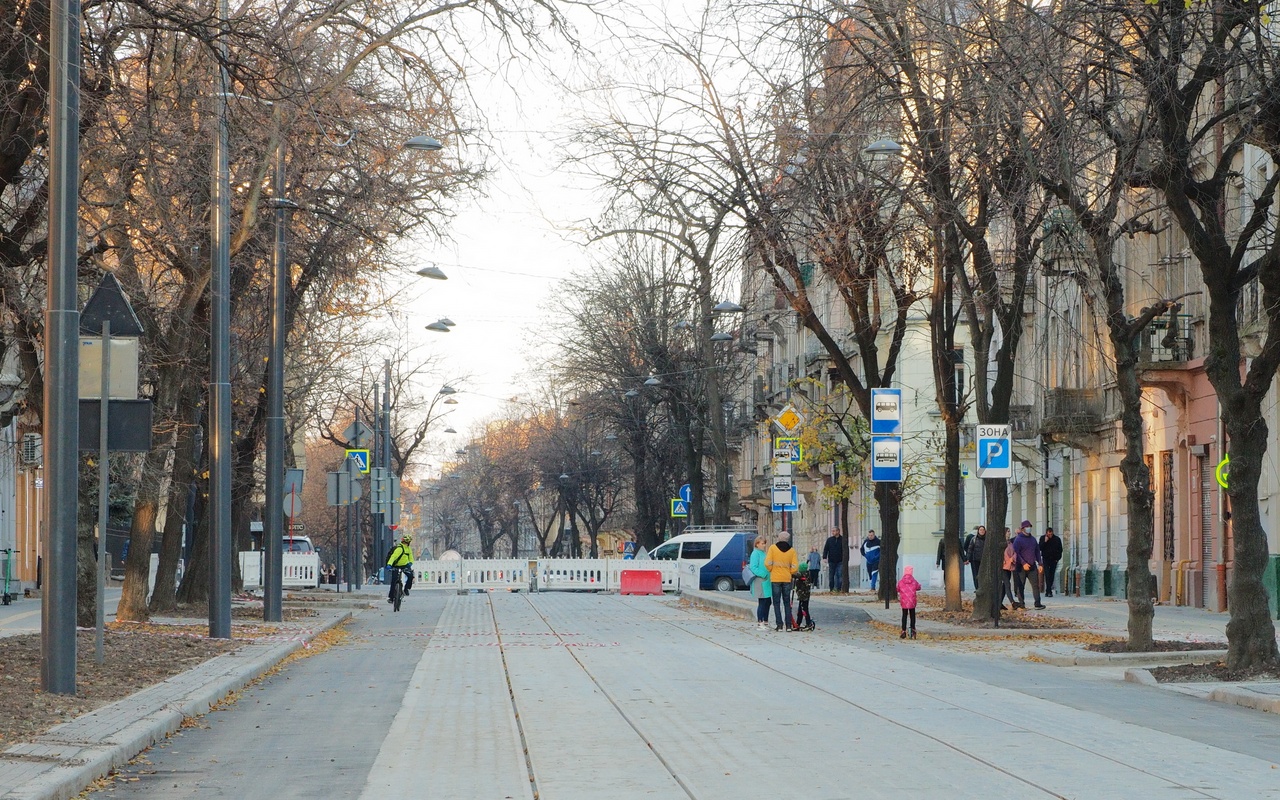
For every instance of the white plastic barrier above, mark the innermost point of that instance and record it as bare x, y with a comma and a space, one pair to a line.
301, 570
670, 576
573, 573
491, 573
437, 574
564, 574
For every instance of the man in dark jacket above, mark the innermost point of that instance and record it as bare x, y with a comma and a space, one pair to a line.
1026, 564
1051, 553
833, 554
870, 550
973, 552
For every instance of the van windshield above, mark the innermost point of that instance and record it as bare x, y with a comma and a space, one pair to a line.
667, 552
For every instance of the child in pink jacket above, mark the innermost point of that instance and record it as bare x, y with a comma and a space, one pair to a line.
907, 588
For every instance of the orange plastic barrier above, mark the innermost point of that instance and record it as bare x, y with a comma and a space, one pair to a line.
640, 581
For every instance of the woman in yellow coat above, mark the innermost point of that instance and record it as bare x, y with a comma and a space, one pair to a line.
782, 563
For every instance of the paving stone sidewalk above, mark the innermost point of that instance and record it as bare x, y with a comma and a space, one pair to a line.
69, 757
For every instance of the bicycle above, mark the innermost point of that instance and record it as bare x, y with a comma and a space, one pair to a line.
397, 586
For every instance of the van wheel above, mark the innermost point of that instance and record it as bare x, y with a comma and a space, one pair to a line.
724, 585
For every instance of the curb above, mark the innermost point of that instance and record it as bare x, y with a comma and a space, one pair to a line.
66, 759
1087, 658
724, 601
1140, 676
1240, 696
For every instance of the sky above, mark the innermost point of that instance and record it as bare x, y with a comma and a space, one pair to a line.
508, 250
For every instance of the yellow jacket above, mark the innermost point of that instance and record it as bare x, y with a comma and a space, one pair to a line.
781, 565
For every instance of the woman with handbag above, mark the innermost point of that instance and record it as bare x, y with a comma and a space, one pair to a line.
761, 586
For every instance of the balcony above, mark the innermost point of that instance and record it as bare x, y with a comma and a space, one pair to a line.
1069, 412
1166, 343
1022, 422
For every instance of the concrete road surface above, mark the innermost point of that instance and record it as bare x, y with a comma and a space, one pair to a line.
565, 695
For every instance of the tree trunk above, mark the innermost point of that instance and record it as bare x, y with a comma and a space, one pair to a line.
86, 564
181, 501
951, 518
137, 568
889, 500
195, 578
1140, 503
1251, 633
989, 581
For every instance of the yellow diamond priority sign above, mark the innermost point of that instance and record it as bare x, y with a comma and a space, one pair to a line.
789, 420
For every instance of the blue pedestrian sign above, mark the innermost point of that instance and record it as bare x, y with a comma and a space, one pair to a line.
886, 412
362, 458
995, 453
886, 459
686, 493
679, 508
792, 506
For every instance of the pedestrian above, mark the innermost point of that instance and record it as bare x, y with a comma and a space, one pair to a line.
907, 588
761, 588
815, 566
833, 552
973, 549
1006, 573
804, 620
1051, 553
782, 563
871, 557
1027, 564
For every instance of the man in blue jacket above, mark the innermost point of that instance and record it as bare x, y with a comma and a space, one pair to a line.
1026, 564
871, 556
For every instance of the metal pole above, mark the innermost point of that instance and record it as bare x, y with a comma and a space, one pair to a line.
61, 356
375, 465
220, 366
104, 488
273, 586
386, 455
355, 540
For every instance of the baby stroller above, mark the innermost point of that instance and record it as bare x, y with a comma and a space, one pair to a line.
803, 619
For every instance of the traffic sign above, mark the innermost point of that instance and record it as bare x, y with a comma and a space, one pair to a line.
293, 480
679, 508
292, 504
886, 459
995, 452
1222, 473
362, 457
358, 434
886, 412
789, 420
686, 493
787, 448
793, 502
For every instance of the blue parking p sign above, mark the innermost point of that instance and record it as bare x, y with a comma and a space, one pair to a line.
995, 452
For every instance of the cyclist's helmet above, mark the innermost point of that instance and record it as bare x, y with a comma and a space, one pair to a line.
406, 539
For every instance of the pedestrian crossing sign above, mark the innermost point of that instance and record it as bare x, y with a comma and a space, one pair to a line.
362, 458
679, 507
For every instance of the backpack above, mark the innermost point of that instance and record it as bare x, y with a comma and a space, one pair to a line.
968, 547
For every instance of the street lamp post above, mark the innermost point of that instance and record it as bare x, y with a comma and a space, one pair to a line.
220, 456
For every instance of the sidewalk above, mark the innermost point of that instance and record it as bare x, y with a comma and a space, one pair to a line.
69, 757
1094, 615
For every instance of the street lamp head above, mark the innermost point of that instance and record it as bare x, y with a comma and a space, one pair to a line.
460, 452
423, 143
564, 476
722, 337
283, 202
653, 381
434, 273
438, 327
883, 147
596, 453
447, 389
447, 322
631, 393
611, 437
450, 402
682, 324
728, 307
449, 430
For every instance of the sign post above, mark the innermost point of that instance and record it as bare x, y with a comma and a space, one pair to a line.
886, 435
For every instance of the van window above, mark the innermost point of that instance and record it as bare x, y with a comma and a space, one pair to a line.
666, 552
699, 550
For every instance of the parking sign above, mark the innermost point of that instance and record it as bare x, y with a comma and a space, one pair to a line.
995, 452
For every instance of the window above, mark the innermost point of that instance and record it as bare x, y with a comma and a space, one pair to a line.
698, 550
666, 552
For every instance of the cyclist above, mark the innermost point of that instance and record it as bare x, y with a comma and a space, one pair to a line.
401, 558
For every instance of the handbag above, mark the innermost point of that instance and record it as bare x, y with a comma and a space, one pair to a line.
748, 576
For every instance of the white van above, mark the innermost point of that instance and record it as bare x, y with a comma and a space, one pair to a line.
709, 556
